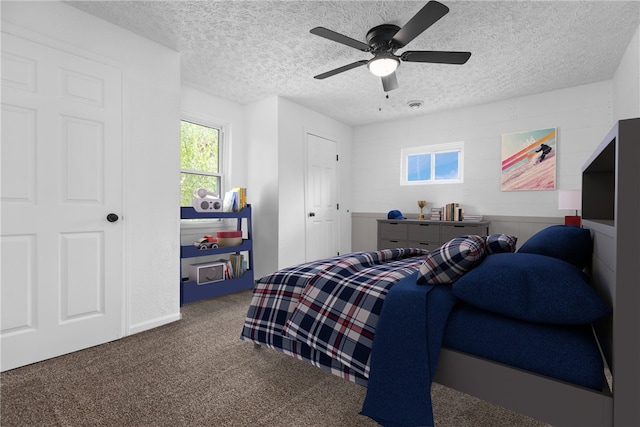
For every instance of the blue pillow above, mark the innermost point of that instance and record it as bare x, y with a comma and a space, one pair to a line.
499, 243
568, 243
531, 287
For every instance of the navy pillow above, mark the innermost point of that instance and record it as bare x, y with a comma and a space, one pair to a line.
531, 287
568, 243
499, 243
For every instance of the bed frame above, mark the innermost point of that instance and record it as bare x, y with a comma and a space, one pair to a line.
610, 209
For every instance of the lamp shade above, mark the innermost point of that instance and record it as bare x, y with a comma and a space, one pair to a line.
569, 200
383, 65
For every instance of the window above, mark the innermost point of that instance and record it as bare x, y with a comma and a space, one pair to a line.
200, 160
432, 164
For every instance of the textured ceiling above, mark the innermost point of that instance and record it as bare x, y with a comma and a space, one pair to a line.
249, 50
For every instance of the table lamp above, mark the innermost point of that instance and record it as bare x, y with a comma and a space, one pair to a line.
570, 200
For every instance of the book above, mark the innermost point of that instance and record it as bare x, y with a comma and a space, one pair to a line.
452, 212
237, 264
472, 218
449, 212
241, 197
235, 199
229, 203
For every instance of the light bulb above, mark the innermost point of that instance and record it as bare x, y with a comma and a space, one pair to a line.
383, 65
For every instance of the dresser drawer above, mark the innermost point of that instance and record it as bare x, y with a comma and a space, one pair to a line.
423, 245
424, 232
392, 230
393, 243
428, 235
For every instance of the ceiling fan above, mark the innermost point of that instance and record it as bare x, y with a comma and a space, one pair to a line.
384, 40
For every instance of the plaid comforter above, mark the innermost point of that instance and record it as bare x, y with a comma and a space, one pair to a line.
325, 312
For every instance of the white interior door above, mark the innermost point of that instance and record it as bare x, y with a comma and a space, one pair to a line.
62, 263
321, 199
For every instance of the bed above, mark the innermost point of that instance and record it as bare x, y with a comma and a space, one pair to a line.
531, 330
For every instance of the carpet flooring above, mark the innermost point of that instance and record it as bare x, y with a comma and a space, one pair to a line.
197, 372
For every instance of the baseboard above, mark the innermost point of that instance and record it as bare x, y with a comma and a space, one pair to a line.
150, 324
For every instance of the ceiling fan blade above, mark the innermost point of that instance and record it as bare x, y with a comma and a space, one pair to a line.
426, 17
340, 38
438, 57
340, 70
390, 82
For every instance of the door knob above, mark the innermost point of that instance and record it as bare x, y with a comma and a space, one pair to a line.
112, 217
312, 214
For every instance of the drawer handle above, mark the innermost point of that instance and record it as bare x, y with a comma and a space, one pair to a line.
424, 225
393, 241
392, 223
459, 226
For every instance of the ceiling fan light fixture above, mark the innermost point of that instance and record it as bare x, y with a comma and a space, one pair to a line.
383, 65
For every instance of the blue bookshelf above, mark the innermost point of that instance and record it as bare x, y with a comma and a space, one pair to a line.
190, 290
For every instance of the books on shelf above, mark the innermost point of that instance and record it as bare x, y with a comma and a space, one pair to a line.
233, 267
242, 196
453, 212
235, 200
228, 270
237, 264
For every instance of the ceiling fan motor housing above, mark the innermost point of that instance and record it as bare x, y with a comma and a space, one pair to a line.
379, 38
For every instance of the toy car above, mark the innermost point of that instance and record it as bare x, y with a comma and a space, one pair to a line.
206, 242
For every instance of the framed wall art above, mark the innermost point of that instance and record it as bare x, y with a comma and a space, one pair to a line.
529, 160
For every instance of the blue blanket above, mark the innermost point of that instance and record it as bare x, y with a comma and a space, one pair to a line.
405, 353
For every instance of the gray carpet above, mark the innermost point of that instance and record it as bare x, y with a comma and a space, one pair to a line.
197, 372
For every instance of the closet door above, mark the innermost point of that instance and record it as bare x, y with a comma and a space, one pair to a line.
321, 204
61, 229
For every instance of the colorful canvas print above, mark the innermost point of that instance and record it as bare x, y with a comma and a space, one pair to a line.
529, 160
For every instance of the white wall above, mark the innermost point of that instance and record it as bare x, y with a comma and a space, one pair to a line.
151, 101
626, 82
262, 190
582, 115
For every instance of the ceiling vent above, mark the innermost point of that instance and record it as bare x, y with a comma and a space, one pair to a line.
415, 104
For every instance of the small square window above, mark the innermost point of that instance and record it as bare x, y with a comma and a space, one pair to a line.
432, 164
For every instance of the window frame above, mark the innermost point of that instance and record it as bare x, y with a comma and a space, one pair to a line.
221, 128
432, 149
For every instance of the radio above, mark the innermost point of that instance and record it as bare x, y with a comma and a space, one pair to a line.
206, 201
207, 272
208, 204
